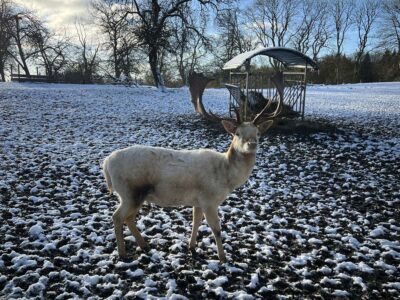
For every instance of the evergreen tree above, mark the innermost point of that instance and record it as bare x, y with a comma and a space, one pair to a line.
366, 72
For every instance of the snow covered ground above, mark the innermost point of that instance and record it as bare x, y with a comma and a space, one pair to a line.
319, 217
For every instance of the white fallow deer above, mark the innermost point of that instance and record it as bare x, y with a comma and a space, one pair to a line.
198, 178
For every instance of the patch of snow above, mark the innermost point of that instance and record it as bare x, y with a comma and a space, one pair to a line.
171, 286
36, 231
253, 281
341, 293
22, 262
378, 231
392, 285
220, 280
136, 273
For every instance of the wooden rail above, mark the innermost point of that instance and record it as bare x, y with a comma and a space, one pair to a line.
32, 78
25, 78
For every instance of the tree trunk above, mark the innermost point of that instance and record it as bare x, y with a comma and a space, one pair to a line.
182, 74
337, 68
117, 70
20, 49
47, 63
117, 59
153, 60
2, 73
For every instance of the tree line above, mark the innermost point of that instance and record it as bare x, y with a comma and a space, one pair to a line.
161, 42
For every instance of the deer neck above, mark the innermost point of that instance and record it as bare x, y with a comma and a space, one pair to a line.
240, 166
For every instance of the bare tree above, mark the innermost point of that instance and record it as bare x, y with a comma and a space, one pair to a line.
271, 21
57, 56
115, 24
51, 50
341, 12
312, 32
233, 39
320, 36
5, 34
88, 54
130, 56
365, 15
390, 25
154, 33
24, 26
25, 38
189, 42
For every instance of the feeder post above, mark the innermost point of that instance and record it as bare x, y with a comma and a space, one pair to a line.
247, 68
304, 92
244, 114
230, 95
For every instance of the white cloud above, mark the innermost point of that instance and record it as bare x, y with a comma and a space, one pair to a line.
59, 14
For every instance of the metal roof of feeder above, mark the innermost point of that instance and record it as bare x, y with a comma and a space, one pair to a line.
290, 58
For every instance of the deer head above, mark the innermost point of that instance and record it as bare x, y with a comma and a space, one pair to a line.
247, 134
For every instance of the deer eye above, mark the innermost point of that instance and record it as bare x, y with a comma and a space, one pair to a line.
237, 134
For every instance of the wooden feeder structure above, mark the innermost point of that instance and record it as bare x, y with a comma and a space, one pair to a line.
250, 91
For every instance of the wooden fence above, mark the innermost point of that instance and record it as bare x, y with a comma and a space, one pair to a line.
33, 78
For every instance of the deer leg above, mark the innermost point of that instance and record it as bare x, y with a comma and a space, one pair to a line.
118, 218
213, 220
126, 208
130, 221
197, 217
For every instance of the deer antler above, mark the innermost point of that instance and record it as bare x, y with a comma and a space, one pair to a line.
215, 117
197, 84
277, 79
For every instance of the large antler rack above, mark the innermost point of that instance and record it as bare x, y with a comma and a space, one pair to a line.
198, 82
262, 116
238, 119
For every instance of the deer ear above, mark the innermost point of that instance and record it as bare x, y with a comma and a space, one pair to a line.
229, 126
264, 126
